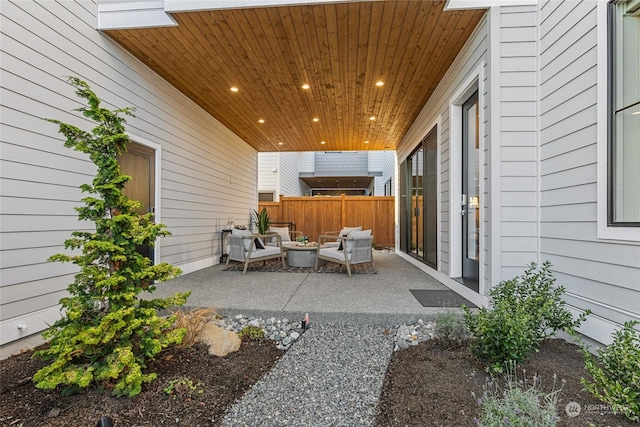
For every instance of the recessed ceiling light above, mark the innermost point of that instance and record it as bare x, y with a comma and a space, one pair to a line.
315, 119
234, 89
372, 118
636, 113
366, 142
323, 142
305, 86
261, 121
280, 143
379, 83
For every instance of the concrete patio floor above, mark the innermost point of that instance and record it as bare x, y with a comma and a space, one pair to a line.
372, 299
381, 298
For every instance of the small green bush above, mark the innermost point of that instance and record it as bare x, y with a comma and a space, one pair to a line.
524, 311
520, 403
251, 333
451, 327
616, 376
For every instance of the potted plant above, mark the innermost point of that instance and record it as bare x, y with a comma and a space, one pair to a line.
261, 220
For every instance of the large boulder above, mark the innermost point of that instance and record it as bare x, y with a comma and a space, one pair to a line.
220, 341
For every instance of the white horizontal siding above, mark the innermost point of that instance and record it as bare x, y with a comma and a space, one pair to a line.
207, 172
600, 275
289, 175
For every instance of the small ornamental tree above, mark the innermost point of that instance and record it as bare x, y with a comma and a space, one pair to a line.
107, 332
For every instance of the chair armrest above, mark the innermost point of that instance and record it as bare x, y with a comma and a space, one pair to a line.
270, 237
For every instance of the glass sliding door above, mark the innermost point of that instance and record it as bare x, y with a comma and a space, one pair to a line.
419, 204
430, 189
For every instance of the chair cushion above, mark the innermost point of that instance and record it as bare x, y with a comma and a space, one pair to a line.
333, 253
283, 232
267, 251
246, 242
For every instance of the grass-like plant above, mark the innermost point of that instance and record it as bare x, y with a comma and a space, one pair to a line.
616, 375
520, 403
261, 220
193, 321
107, 333
524, 311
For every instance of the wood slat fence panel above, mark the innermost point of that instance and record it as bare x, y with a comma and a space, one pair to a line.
317, 215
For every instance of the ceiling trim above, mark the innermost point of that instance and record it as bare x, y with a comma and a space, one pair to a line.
485, 4
197, 5
126, 14
132, 14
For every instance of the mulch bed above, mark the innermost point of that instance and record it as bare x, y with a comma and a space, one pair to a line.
431, 384
220, 381
425, 385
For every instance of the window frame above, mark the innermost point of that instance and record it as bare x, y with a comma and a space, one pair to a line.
612, 90
604, 230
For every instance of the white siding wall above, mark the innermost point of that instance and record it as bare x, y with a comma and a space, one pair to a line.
268, 180
472, 57
290, 184
307, 162
389, 171
516, 84
201, 183
598, 274
378, 162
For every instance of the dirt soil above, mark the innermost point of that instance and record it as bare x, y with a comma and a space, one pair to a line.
219, 382
425, 385
431, 384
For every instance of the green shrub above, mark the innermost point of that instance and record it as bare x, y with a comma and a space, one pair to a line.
616, 376
520, 403
524, 311
107, 333
251, 333
451, 327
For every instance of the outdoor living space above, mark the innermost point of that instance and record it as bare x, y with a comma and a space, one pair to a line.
330, 295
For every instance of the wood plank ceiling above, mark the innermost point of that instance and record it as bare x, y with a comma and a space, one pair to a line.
339, 49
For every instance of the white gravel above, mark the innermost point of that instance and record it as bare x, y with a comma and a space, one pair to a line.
332, 376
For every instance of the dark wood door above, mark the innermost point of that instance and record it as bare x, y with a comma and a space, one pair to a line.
139, 163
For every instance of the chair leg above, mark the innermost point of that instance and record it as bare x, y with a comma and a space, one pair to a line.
227, 264
348, 270
246, 264
283, 264
373, 265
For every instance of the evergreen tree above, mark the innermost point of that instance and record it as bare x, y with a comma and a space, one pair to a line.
107, 333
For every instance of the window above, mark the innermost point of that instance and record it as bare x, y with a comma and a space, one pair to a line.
624, 116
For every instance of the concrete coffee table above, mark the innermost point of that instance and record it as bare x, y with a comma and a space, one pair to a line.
302, 256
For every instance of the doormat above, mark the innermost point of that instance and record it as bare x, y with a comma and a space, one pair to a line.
440, 298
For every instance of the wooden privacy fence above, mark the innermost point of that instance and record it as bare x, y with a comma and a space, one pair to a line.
317, 215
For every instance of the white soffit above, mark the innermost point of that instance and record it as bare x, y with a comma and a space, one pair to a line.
123, 14
192, 5
485, 4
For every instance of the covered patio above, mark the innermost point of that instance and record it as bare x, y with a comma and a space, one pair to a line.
382, 298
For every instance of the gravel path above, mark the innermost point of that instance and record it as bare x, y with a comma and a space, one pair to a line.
331, 376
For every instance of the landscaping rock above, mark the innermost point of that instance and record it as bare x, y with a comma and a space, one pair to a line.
221, 342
